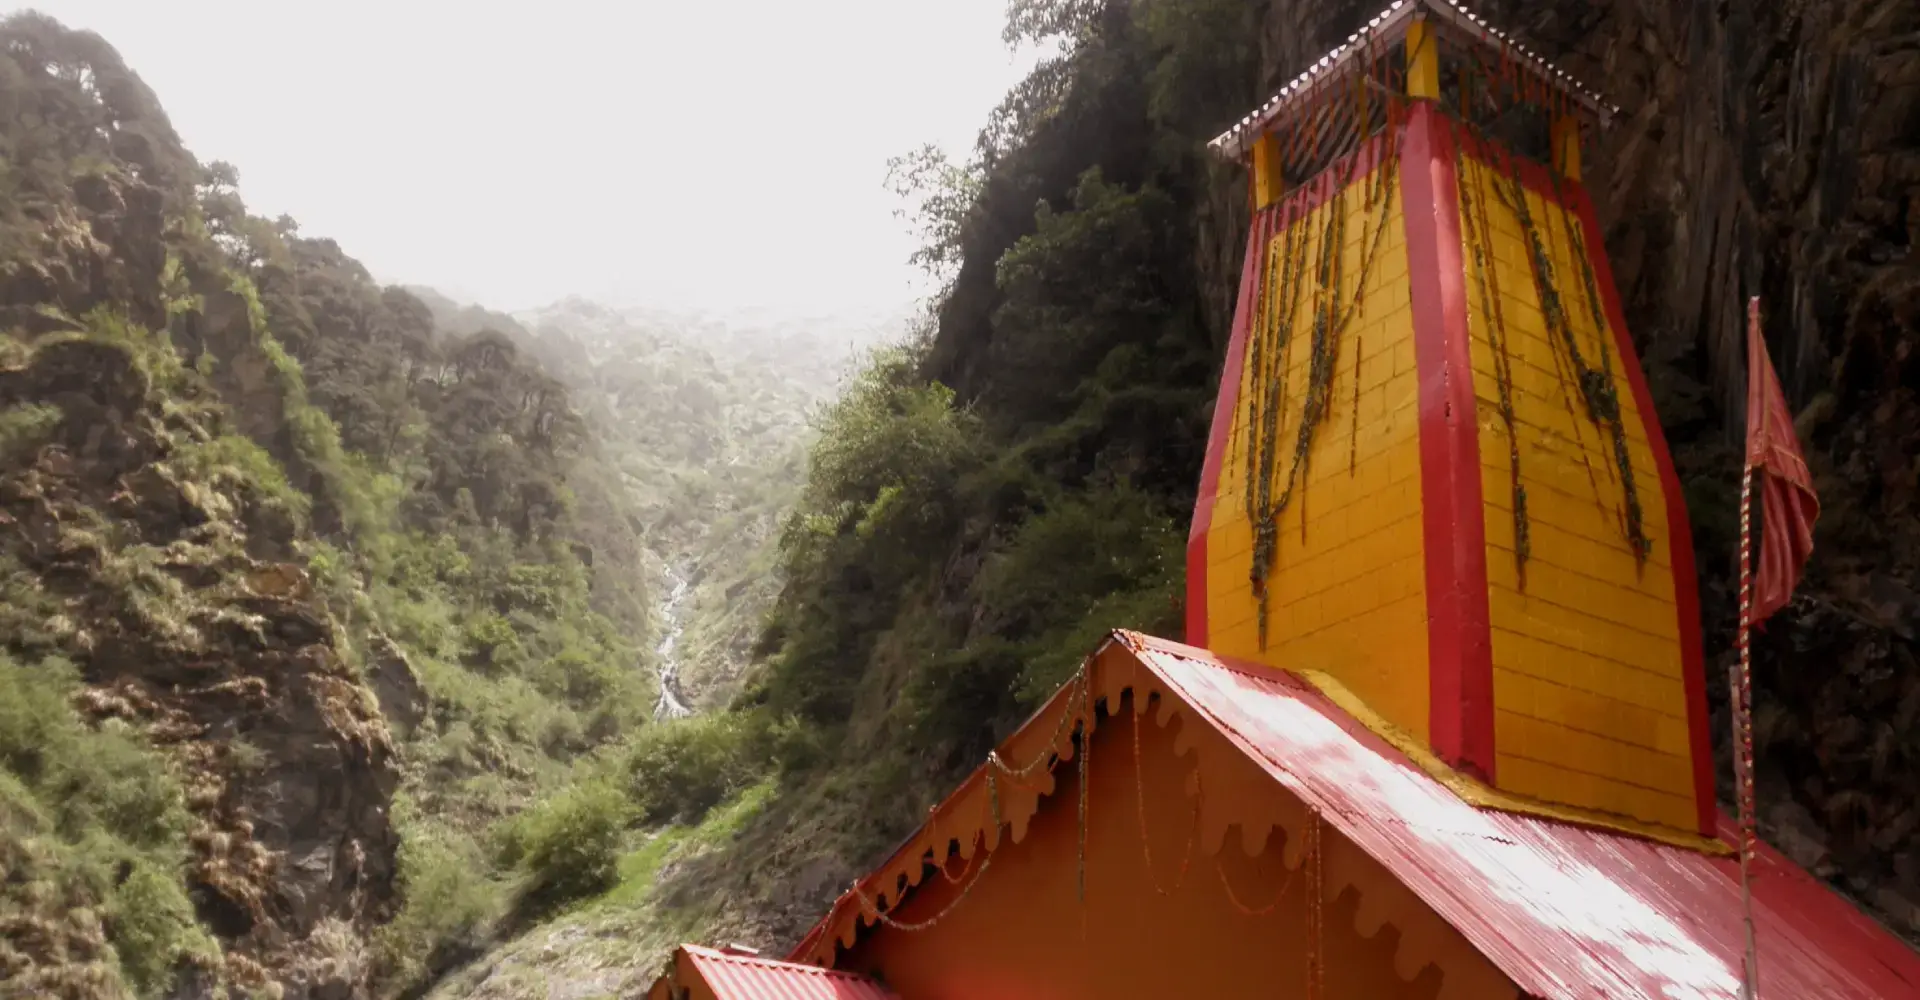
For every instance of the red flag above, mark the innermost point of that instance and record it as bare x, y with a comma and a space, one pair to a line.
1787, 502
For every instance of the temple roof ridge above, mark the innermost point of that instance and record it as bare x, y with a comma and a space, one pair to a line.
1307, 93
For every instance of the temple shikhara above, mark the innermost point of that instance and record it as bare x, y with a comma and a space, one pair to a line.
1439, 725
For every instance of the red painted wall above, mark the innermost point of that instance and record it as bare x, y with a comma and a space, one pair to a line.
1021, 932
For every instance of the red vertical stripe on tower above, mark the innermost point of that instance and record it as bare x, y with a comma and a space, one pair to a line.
1459, 643
1224, 406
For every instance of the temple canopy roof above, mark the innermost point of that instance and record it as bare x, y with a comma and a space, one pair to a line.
1566, 911
1313, 102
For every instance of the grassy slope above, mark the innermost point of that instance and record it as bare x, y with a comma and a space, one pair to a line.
611, 946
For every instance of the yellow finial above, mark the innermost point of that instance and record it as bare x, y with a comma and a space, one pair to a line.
1268, 184
1423, 61
1566, 146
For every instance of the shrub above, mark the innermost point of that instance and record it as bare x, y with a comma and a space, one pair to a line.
232, 460
448, 901
887, 456
1106, 558
24, 427
84, 779
30, 616
490, 636
681, 769
151, 923
566, 848
92, 820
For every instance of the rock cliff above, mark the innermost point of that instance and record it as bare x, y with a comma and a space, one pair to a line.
145, 551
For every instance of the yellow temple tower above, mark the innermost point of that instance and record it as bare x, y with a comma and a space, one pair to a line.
1436, 478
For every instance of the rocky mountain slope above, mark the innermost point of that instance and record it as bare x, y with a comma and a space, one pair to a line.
360, 591
310, 603
135, 544
197, 779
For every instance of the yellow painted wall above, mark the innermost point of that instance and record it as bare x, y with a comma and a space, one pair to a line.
1348, 596
1590, 707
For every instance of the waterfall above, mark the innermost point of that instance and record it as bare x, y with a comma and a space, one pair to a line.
670, 706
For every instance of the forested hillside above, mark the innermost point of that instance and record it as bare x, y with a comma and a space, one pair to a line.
306, 602
364, 591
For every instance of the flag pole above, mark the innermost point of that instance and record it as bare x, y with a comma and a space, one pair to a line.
1741, 698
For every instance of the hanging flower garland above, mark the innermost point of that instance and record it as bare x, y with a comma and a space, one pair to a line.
1312, 267
1595, 385
1576, 374
1479, 238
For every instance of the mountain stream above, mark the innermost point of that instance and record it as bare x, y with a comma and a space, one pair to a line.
670, 706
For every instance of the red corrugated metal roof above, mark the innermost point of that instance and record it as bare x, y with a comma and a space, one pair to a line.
750, 977
1568, 913
1565, 911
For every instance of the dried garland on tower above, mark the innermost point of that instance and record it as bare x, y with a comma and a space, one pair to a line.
1596, 385
1562, 364
1269, 361
1596, 388
1589, 285
1479, 234
1324, 344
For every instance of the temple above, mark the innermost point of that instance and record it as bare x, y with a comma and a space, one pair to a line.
1438, 728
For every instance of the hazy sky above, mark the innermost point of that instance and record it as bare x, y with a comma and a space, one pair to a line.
707, 152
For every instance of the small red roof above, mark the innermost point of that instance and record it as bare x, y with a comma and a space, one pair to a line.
734, 976
1566, 912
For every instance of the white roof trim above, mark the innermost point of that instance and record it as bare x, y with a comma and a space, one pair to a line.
1387, 27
